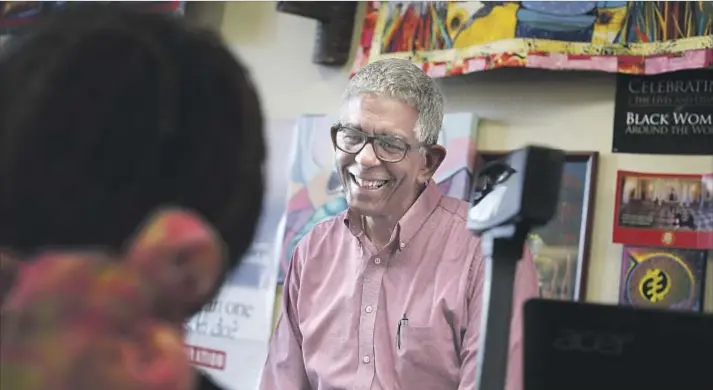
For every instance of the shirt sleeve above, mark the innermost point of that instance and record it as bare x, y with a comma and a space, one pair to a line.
284, 368
526, 287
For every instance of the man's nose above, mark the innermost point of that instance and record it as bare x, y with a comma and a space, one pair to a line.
367, 157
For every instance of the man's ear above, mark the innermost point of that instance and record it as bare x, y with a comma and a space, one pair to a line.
435, 155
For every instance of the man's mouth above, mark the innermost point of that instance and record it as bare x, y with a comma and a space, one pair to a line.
368, 184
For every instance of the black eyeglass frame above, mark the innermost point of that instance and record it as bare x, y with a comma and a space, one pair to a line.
369, 140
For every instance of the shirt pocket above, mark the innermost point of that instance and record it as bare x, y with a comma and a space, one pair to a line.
424, 359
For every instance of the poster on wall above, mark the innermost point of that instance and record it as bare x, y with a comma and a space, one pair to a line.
229, 338
662, 278
315, 192
664, 114
447, 38
561, 247
669, 210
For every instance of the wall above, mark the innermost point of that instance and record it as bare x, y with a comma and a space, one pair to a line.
573, 111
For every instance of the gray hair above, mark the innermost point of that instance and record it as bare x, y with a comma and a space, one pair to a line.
403, 81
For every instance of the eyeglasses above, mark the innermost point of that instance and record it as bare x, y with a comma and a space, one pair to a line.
387, 148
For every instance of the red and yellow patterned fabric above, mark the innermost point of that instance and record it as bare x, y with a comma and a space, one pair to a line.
20, 16
447, 38
92, 320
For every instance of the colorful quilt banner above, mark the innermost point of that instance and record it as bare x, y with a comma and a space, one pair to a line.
447, 38
18, 16
315, 192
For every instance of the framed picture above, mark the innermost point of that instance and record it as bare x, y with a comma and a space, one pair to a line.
664, 278
561, 248
663, 209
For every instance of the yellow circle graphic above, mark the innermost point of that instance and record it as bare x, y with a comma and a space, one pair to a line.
655, 285
659, 279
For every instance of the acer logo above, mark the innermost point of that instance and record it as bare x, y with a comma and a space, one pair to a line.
603, 343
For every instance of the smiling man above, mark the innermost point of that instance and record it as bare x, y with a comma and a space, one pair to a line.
387, 295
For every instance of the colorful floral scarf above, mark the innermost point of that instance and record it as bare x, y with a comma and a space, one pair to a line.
94, 321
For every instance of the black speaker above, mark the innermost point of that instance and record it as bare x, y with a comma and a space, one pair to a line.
335, 29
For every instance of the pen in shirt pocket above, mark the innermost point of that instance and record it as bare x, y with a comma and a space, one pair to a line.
400, 327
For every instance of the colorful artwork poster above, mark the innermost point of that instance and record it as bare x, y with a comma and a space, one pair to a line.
560, 247
229, 338
655, 209
315, 192
16, 16
662, 278
448, 38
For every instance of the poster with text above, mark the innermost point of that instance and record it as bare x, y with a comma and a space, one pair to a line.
662, 278
655, 209
664, 114
229, 337
315, 192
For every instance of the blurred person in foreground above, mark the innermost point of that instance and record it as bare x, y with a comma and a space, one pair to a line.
131, 153
387, 295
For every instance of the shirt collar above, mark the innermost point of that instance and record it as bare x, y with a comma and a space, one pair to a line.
411, 222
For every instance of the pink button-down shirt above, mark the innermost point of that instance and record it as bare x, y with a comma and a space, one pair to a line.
344, 301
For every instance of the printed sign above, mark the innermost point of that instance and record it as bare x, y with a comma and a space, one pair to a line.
229, 338
674, 211
664, 114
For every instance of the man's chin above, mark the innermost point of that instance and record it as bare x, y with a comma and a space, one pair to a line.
365, 209
369, 203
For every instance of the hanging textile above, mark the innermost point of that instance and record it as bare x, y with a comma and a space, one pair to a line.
448, 38
17, 16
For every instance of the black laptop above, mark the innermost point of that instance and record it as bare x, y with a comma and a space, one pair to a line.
578, 346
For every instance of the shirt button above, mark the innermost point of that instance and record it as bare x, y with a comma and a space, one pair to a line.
369, 309
377, 260
403, 244
366, 360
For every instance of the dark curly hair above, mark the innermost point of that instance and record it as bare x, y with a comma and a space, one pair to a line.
106, 114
